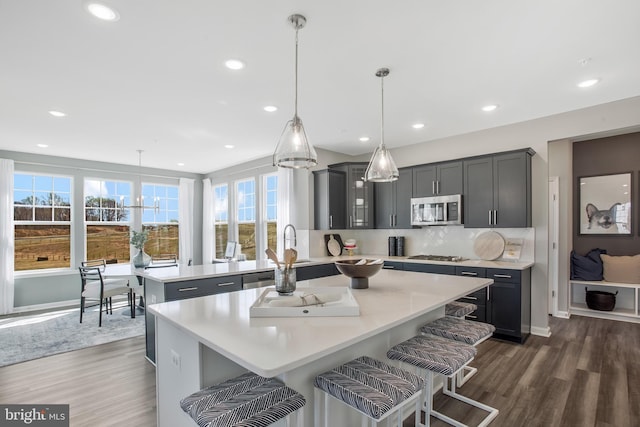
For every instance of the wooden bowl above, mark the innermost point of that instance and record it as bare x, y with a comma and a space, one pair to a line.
359, 274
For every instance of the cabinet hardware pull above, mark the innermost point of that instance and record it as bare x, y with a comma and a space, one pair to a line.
502, 276
388, 267
390, 220
471, 298
438, 186
350, 221
226, 284
489, 217
468, 273
330, 221
495, 217
433, 187
471, 317
193, 288
395, 220
488, 293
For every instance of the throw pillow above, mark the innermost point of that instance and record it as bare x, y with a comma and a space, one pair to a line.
621, 269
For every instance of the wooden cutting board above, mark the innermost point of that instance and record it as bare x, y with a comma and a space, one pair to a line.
489, 245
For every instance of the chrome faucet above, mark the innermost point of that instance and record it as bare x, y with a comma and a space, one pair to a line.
284, 236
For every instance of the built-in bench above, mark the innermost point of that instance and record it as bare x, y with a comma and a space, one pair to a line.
627, 300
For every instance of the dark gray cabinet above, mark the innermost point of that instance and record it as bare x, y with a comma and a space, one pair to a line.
430, 268
157, 291
510, 303
479, 297
330, 199
314, 271
392, 201
438, 179
497, 190
359, 196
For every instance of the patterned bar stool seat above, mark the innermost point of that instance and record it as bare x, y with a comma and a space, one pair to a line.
375, 389
466, 331
459, 309
435, 355
245, 401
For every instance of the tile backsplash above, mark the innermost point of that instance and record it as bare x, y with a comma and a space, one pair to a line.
436, 240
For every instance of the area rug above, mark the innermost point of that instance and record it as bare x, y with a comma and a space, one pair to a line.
31, 337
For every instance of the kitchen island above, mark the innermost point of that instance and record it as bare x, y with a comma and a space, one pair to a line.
202, 341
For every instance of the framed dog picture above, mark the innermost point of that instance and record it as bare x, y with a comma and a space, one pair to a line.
605, 204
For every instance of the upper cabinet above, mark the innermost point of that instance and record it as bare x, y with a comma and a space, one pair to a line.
497, 190
392, 201
438, 179
342, 198
359, 201
329, 199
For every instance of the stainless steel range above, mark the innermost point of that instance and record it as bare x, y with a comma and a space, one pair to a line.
451, 258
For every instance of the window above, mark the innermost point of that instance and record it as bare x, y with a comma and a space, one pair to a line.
271, 210
246, 217
42, 218
107, 224
162, 224
221, 220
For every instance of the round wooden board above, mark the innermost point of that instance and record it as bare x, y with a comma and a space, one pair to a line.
489, 246
334, 246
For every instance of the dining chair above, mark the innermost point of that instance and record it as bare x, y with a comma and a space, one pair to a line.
95, 287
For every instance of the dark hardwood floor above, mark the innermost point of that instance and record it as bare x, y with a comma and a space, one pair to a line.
586, 374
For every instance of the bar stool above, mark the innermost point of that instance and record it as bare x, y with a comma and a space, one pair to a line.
459, 309
435, 355
462, 330
373, 388
247, 400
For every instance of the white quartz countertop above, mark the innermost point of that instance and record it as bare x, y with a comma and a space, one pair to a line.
272, 346
194, 272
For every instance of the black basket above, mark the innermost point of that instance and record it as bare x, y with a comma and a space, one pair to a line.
601, 300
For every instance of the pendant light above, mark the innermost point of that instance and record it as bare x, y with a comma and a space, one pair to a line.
381, 168
140, 200
293, 149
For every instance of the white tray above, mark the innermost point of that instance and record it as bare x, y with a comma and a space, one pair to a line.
345, 306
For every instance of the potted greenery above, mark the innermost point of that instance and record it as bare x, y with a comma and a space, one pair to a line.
138, 239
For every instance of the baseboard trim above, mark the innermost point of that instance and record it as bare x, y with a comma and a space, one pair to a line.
541, 332
59, 305
563, 315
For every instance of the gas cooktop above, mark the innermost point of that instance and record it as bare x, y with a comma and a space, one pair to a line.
451, 258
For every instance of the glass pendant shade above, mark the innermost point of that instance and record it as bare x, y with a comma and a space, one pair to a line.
382, 168
293, 149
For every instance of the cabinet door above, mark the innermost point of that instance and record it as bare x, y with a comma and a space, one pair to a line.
512, 190
404, 186
329, 200
315, 271
201, 287
505, 308
430, 268
385, 204
359, 198
477, 196
449, 178
424, 181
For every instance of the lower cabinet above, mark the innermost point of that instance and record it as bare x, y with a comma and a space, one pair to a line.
315, 271
156, 292
510, 303
479, 297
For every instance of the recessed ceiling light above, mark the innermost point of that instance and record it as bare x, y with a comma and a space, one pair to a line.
180, 164
417, 125
588, 83
42, 145
102, 11
229, 146
234, 64
270, 108
489, 108
57, 113
364, 139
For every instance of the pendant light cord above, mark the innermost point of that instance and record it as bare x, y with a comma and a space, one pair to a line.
382, 112
295, 111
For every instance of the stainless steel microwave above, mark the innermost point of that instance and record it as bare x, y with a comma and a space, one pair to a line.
437, 210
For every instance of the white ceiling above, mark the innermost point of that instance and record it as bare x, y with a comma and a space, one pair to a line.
155, 79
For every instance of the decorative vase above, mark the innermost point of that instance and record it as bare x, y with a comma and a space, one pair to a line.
141, 259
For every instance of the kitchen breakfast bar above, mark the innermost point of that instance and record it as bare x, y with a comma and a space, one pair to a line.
203, 341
